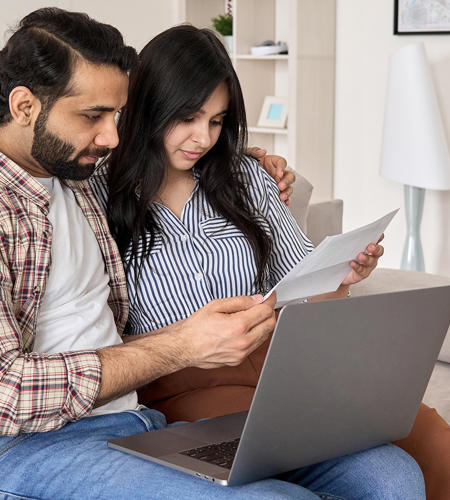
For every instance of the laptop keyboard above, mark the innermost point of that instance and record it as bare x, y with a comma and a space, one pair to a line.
221, 454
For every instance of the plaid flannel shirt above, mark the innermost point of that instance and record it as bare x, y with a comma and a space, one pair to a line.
41, 392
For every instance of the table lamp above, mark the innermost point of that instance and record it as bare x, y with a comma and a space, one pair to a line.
414, 150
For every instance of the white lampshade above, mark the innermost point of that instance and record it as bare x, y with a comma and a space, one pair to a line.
415, 150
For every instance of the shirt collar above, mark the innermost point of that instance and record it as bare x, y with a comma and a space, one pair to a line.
15, 177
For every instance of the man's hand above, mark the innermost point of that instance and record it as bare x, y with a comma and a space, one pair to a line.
275, 166
365, 263
222, 333
226, 331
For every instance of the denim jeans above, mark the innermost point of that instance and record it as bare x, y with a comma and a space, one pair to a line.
74, 462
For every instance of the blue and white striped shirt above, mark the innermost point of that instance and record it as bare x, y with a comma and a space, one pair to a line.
202, 256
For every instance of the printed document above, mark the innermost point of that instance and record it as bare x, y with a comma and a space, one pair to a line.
324, 269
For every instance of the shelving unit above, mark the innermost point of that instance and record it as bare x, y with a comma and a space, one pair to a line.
268, 130
305, 76
262, 58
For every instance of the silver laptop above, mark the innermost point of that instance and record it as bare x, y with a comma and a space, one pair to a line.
340, 376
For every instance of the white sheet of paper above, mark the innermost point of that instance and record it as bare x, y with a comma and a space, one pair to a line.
324, 269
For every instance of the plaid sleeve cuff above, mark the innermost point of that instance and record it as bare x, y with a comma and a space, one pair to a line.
40, 393
83, 383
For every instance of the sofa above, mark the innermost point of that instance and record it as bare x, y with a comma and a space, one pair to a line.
321, 219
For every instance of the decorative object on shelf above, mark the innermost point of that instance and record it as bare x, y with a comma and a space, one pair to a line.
273, 112
415, 150
427, 17
223, 24
269, 47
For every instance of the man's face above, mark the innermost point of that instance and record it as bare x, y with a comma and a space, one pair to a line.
54, 153
80, 128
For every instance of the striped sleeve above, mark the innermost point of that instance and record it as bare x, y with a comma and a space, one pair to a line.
290, 243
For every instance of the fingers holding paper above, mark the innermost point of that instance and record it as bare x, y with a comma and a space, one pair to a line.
364, 263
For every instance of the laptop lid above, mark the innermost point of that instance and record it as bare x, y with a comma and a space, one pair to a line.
340, 376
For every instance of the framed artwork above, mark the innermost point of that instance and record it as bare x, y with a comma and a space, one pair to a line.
273, 112
421, 17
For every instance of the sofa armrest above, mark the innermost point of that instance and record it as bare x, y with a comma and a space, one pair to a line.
392, 280
299, 201
324, 219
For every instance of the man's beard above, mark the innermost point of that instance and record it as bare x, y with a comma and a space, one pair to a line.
52, 153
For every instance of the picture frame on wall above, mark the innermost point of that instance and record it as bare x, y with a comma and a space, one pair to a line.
273, 112
421, 17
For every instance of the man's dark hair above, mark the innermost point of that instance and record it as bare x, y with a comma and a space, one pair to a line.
42, 53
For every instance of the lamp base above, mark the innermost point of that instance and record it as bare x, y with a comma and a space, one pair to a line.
412, 258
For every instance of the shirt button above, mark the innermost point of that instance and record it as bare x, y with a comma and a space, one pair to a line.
185, 237
198, 276
36, 289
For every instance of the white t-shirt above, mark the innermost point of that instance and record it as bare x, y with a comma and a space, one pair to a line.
74, 313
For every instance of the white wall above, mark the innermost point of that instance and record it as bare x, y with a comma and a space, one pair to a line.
364, 44
138, 20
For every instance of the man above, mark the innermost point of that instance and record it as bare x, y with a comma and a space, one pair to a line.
63, 77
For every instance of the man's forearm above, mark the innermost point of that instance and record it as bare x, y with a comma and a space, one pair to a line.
139, 361
222, 333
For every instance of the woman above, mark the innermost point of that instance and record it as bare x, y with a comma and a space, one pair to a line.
190, 209
193, 217
203, 210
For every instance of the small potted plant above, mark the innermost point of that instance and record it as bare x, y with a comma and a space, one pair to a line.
223, 24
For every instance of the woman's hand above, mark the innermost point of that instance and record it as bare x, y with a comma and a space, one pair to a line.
365, 263
275, 166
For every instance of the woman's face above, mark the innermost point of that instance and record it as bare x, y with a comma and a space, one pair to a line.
192, 138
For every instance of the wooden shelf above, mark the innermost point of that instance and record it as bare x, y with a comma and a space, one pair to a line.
268, 130
305, 76
273, 57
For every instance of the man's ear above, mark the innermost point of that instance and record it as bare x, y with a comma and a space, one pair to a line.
23, 105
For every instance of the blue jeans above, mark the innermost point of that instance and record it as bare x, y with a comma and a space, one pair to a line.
75, 463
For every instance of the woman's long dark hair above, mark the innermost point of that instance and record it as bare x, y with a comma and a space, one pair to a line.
178, 71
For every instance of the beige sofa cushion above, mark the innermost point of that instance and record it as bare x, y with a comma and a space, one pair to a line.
300, 200
444, 355
324, 219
